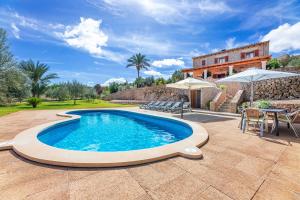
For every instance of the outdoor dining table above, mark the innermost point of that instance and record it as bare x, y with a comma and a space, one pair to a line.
274, 111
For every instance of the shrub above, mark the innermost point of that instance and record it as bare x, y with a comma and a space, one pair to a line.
34, 101
208, 105
222, 87
263, 104
160, 81
273, 64
294, 62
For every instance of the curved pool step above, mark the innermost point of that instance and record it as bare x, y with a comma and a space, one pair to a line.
191, 152
6, 145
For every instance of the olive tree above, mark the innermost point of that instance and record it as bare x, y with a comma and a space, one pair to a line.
76, 90
13, 82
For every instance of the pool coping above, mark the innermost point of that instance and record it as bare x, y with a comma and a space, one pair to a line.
27, 144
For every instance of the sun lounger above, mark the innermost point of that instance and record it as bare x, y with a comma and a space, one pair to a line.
143, 106
167, 106
153, 105
148, 106
185, 107
163, 103
175, 106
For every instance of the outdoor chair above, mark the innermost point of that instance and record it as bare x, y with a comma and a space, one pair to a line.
143, 106
178, 107
185, 107
291, 119
253, 116
155, 105
174, 106
163, 103
148, 106
167, 106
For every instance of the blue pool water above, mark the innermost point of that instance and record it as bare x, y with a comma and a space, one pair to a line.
113, 130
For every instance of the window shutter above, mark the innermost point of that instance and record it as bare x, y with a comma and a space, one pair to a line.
216, 60
226, 58
256, 53
242, 55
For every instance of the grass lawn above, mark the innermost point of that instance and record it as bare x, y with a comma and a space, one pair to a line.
60, 105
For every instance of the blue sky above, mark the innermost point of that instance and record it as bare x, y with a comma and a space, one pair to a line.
90, 40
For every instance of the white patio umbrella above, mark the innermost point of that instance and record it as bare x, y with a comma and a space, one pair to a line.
252, 75
191, 84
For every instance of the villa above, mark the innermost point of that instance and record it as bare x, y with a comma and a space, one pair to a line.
223, 63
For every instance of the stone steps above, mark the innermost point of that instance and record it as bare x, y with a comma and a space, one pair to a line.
225, 107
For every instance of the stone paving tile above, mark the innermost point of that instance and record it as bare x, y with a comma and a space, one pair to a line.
14, 123
286, 172
236, 190
153, 175
144, 197
212, 193
112, 184
78, 173
276, 190
255, 166
59, 192
184, 187
29, 187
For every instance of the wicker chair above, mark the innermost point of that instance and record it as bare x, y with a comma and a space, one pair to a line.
253, 116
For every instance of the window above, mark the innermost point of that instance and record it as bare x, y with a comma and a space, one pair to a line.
221, 60
249, 55
203, 62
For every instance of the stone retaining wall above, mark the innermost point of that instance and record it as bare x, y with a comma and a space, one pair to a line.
272, 89
150, 94
277, 89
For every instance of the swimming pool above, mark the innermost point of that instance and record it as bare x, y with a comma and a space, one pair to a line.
109, 138
114, 130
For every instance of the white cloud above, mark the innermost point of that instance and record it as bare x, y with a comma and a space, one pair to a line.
231, 43
195, 52
87, 35
213, 6
153, 73
112, 80
164, 11
284, 38
15, 30
168, 63
214, 50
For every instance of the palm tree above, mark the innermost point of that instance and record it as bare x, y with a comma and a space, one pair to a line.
37, 74
139, 61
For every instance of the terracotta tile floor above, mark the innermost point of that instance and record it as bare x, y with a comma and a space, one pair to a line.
235, 166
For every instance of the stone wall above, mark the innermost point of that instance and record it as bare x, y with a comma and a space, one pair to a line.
150, 94
276, 89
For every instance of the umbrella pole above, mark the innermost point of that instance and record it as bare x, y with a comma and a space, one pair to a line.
190, 100
181, 111
252, 94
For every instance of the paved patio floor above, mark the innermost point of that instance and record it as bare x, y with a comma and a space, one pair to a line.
235, 166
